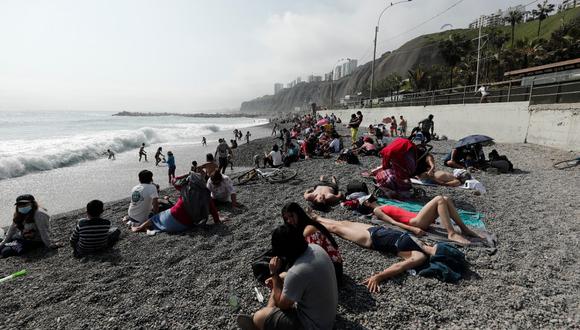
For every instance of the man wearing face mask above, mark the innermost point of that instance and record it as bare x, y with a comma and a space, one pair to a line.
30, 228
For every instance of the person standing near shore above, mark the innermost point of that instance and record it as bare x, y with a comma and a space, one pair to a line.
221, 153
274, 129
110, 154
158, 156
248, 134
203, 141
30, 229
171, 166
142, 152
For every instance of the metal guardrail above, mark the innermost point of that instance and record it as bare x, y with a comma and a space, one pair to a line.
508, 91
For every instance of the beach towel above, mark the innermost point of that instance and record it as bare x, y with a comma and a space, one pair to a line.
469, 185
471, 219
438, 233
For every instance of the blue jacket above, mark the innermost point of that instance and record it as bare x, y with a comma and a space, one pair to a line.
447, 265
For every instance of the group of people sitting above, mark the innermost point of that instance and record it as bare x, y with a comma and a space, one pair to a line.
306, 266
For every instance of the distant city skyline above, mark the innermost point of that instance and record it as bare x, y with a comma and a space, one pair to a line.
187, 56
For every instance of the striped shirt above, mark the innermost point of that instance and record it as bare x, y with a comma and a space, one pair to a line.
90, 235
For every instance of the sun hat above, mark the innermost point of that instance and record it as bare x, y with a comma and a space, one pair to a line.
23, 199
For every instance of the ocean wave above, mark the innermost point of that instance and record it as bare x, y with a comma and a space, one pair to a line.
21, 157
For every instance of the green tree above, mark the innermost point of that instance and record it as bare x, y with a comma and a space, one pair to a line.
418, 79
392, 83
453, 51
514, 17
542, 12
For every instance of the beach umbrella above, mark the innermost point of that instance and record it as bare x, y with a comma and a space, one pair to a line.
387, 120
473, 139
322, 122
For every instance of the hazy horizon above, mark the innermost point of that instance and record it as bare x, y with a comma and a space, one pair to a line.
193, 56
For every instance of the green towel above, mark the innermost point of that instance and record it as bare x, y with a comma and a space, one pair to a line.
471, 219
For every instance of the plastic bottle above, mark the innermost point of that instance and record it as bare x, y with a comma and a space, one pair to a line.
233, 300
412, 272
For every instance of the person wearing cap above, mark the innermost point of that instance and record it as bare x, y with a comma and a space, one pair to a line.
307, 296
30, 228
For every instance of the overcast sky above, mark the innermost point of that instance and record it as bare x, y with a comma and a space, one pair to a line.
192, 55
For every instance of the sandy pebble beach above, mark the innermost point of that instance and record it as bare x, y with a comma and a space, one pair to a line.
185, 281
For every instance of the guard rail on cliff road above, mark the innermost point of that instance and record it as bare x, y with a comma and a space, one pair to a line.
507, 91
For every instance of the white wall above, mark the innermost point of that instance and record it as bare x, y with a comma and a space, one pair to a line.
505, 122
555, 125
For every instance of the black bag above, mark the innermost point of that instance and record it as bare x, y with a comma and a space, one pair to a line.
501, 162
349, 157
356, 186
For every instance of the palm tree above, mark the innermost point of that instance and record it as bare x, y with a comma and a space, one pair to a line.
514, 17
418, 78
542, 12
453, 50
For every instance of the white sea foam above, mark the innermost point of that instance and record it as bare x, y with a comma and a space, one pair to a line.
20, 157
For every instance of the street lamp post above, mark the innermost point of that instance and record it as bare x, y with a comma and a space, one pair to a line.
332, 80
375, 47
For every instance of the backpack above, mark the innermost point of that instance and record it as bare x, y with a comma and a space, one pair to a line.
356, 186
348, 156
196, 198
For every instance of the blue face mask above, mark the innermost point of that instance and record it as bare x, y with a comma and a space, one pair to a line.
24, 209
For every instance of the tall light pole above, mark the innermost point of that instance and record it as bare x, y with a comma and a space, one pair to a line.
375, 47
332, 80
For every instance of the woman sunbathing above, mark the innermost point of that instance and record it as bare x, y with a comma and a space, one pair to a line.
387, 240
324, 194
427, 171
441, 207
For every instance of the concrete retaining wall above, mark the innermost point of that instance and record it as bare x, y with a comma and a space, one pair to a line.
555, 126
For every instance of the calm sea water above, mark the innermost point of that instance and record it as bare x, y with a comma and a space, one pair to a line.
58, 156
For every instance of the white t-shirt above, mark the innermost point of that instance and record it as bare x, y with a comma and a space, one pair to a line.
141, 204
335, 145
483, 91
276, 157
224, 191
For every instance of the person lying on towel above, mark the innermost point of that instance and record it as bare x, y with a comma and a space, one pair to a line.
427, 172
413, 252
441, 207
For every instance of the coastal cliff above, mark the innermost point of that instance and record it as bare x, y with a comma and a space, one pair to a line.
419, 51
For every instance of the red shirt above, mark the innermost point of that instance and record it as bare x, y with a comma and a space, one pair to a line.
319, 239
398, 214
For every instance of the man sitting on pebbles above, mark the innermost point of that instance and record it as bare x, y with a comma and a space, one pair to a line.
306, 298
324, 194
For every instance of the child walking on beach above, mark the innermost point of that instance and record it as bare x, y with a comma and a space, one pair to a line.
171, 166
142, 152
